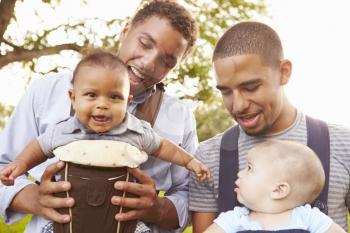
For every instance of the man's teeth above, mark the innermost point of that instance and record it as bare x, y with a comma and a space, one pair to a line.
137, 73
248, 117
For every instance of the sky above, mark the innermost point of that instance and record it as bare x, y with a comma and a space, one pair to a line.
316, 38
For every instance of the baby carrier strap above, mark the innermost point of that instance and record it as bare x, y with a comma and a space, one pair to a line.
228, 169
317, 139
148, 110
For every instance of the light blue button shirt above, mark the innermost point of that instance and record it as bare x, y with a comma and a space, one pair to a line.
136, 132
46, 102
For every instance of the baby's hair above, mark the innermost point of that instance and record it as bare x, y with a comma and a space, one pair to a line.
100, 58
299, 165
250, 38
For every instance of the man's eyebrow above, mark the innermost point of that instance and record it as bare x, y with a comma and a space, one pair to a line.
219, 87
250, 82
246, 83
149, 37
167, 56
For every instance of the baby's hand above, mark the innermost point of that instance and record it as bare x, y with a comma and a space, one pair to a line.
199, 168
10, 172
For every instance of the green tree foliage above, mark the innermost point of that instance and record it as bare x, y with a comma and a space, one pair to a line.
5, 112
213, 16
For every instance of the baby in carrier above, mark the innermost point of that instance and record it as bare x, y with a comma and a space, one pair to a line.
102, 135
280, 178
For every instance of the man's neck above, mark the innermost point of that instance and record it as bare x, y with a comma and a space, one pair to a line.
141, 97
286, 118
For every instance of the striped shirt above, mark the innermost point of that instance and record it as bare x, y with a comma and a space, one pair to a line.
338, 194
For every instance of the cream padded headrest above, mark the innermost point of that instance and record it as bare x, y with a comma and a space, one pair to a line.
101, 153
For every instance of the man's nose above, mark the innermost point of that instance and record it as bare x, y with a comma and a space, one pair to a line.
150, 60
240, 103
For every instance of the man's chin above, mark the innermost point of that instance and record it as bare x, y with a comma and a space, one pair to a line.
256, 132
138, 90
137, 93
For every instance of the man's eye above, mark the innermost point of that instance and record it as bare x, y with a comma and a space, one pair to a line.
226, 92
145, 44
251, 87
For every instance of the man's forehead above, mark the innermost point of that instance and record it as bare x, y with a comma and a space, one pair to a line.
159, 28
240, 61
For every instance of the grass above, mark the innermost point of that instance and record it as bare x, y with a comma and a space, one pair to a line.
16, 227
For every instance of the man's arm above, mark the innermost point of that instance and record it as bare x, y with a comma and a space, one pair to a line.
42, 202
25, 197
24, 125
18, 132
202, 220
31, 156
214, 228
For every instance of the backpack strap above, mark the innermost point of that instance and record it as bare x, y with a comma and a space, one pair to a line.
318, 141
148, 110
228, 169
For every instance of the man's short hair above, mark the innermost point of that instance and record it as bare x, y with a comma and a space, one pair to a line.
178, 17
100, 58
250, 38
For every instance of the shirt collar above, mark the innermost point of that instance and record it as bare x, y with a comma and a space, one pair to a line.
130, 123
73, 125
142, 97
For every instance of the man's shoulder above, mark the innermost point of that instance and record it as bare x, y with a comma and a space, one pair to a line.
48, 84
340, 129
174, 102
52, 78
177, 110
210, 147
215, 140
339, 135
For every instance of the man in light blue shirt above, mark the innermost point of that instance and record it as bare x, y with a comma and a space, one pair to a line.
151, 45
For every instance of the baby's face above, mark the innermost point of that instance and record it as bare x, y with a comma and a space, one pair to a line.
256, 181
100, 97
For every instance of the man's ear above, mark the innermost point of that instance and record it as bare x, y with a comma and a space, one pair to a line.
280, 191
130, 98
124, 32
285, 71
72, 97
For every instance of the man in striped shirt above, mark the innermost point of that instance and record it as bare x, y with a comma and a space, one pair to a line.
251, 73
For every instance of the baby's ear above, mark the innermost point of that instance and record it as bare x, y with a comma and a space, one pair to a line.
71, 96
130, 98
280, 191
